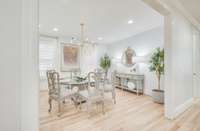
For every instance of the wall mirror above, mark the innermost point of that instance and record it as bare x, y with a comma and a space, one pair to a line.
128, 57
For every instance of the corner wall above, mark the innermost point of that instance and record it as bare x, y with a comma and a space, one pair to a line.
180, 65
179, 28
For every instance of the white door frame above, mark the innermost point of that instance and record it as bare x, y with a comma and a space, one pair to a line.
29, 93
196, 61
30, 76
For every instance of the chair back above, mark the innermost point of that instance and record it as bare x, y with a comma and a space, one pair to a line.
92, 79
101, 73
113, 79
56, 80
96, 79
53, 83
49, 74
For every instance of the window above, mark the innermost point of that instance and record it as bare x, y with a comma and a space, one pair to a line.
48, 49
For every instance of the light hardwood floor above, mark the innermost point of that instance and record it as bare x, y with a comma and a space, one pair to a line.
131, 113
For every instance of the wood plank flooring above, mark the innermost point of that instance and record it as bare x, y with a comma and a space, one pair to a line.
130, 113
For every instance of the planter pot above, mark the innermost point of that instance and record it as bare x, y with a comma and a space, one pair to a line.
158, 96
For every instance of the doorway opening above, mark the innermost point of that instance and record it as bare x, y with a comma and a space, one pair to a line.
126, 36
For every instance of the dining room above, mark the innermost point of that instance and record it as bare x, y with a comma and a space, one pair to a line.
96, 73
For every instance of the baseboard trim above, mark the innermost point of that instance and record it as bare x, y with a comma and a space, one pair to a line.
182, 108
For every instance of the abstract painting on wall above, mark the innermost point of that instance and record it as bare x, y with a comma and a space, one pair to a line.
70, 60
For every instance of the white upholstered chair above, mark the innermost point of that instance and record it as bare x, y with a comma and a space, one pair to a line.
92, 94
106, 86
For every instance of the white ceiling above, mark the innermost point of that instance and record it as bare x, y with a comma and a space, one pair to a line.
103, 18
193, 6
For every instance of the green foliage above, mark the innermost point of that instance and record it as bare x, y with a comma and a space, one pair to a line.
157, 62
105, 62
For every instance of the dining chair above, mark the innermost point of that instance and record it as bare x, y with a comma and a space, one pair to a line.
57, 91
106, 86
92, 94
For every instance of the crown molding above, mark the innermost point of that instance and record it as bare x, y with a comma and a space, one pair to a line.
159, 6
167, 7
177, 6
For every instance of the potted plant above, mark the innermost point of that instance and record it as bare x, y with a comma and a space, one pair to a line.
105, 63
157, 66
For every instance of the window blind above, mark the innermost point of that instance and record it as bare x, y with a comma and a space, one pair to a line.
48, 49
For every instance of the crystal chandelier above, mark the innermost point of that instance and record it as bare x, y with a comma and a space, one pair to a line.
84, 42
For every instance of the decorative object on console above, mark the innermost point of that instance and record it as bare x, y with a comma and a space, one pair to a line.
131, 85
70, 57
105, 63
157, 65
127, 57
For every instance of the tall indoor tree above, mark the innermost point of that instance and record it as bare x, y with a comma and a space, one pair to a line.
105, 63
157, 66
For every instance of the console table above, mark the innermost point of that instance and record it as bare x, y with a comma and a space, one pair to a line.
122, 80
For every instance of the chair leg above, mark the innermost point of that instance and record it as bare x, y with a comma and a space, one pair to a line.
103, 107
88, 108
59, 108
114, 97
80, 105
50, 105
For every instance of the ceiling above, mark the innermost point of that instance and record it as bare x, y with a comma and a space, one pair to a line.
107, 19
193, 6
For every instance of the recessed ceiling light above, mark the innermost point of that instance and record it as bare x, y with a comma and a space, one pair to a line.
39, 25
100, 38
86, 39
55, 29
130, 22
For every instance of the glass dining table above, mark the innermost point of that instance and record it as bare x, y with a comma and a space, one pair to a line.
73, 84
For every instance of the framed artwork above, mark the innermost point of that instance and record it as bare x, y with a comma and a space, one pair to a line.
70, 57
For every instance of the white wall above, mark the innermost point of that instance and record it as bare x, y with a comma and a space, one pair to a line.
179, 65
143, 44
10, 27
182, 59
